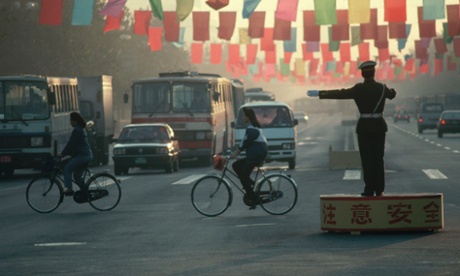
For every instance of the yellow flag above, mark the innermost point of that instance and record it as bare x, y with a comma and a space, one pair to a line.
244, 36
359, 11
299, 67
184, 8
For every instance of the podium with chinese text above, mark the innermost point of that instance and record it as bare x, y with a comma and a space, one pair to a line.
398, 212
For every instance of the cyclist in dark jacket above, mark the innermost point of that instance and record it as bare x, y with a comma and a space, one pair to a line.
79, 149
255, 144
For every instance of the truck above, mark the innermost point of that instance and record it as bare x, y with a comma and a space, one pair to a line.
95, 98
429, 115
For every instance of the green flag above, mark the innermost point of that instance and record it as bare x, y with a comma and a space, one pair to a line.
157, 8
325, 12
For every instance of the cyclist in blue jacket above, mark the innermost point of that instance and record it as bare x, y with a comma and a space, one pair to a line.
255, 144
79, 149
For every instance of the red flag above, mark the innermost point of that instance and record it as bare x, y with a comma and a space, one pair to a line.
282, 29
311, 31
305, 54
227, 22
369, 30
51, 12
364, 52
395, 11
438, 66
197, 53
233, 54
256, 24
142, 22
287, 57
270, 57
345, 55
216, 53
397, 30
440, 46
384, 54
420, 52
155, 34
217, 4
427, 28
326, 54
251, 53
453, 20
451, 66
381, 40
112, 23
423, 68
340, 31
171, 26
200, 26
266, 43
457, 46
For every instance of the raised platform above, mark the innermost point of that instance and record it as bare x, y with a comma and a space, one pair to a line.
393, 212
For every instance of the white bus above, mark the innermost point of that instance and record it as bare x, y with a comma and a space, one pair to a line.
34, 119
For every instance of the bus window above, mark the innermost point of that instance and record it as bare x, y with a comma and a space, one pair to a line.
151, 97
184, 95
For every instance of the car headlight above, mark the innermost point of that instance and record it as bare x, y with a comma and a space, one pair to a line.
36, 141
119, 151
288, 146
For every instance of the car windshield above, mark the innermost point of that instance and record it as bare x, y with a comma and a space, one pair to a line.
269, 116
144, 134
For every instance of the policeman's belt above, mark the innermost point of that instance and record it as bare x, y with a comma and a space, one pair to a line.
371, 115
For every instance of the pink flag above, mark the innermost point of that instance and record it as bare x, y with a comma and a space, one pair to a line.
112, 22
267, 43
305, 54
345, 55
113, 8
142, 22
201, 26
384, 54
226, 25
326, 54
155, 34
438, 66
171, 26
287, 10
233, 53
364, 52
270, 57
51, 12
216, 53
287, 57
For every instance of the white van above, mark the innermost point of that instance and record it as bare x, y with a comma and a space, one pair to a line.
281, 133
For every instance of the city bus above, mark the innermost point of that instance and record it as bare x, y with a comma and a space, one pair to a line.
34, 119
199, 107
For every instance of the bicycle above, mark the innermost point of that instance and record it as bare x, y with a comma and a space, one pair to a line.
212, 194
45, 192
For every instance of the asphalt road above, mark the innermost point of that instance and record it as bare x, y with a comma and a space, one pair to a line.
156, 231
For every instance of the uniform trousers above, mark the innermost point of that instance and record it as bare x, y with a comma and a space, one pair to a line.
243, 168
371, 149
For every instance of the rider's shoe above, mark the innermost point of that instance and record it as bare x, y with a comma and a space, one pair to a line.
68, 192
254, 203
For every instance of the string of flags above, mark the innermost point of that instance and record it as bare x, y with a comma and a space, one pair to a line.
272, 52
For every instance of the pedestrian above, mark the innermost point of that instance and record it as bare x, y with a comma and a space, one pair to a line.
371, 128
255, 144
80, 151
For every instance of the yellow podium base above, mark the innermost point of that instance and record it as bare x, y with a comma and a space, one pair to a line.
398, 212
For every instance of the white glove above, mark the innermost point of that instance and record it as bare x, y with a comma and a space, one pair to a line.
313, 93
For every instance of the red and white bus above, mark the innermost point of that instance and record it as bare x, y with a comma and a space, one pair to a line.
199, 108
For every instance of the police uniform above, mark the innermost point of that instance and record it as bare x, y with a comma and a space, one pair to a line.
371, 128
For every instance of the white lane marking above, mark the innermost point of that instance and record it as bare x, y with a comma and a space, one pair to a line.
352, 175
256, 225
188, 180
60, 244
434, 174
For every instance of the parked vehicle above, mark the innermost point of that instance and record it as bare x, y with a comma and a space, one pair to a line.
449, 122
96, 106
146, 146
401, 116
429, 116
280, 132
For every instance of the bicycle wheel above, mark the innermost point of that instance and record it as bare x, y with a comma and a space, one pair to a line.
211, 196
277, 193
44, 194
103, 191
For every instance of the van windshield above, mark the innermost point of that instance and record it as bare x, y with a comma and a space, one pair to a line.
269, 116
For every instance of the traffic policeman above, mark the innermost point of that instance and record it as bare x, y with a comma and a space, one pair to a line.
371, 128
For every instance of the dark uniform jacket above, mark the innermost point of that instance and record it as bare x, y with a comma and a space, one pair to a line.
366, 95
78, 144
255, 144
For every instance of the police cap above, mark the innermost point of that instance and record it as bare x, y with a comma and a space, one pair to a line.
367, 65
